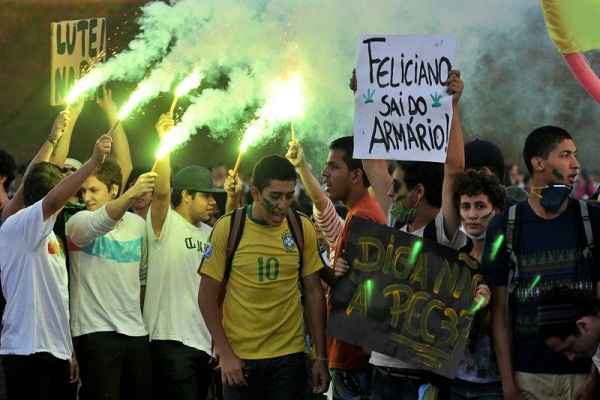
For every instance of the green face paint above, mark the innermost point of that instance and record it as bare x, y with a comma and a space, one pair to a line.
268, 205
557, 174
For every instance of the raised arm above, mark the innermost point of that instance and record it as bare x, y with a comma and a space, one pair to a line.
162, 195
235, 190
145, 183
61, 150
381, 181
295, 155
68, 187
43, 154
121, 152
455, 159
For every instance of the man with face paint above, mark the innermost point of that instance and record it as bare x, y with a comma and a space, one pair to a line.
478, 197
418, 199
258, 331
548, 247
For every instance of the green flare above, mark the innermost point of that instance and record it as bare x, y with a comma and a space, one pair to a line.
477, 306
414, 253
496, 246
369, 287
535, 282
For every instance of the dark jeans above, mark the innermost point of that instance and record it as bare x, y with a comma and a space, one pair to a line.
37, 376
114, 366
463, 390
391, 384
351, 385
280, 378
180, 372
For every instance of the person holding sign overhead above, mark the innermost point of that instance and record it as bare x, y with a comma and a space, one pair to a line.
418, 200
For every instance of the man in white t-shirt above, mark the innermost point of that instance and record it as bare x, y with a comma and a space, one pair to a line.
180, 344
106, 252
36, 344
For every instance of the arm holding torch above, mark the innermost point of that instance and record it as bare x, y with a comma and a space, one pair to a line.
63, 143
162, 167
43, 154
234, 188
121, 151
295, 156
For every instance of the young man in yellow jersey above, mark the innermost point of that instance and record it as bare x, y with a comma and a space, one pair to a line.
258, 333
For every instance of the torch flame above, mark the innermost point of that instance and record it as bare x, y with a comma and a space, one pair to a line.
141, 92
172, 139
89, 81
191, 82
284, 103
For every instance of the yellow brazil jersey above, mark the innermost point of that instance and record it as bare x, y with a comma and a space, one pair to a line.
262, 313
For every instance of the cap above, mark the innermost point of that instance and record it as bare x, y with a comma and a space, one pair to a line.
195, 178
482, 153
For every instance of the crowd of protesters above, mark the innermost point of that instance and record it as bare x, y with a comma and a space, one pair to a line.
192, 284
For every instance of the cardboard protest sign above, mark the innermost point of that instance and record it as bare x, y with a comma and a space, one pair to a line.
74, 44
402, 110
404, 297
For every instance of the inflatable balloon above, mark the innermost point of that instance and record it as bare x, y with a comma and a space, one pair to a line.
573, 26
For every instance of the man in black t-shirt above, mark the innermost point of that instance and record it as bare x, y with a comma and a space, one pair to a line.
548, 242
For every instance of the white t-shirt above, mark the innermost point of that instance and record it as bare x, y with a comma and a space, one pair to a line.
459, 240
106, 256
34, 283
171, 309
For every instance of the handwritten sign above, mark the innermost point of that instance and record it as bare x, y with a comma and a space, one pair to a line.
74, 44
404, 297
402, 109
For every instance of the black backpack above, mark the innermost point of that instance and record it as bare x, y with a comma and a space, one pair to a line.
512, 237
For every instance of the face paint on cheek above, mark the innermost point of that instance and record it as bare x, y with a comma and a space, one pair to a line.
270, 207
557, 174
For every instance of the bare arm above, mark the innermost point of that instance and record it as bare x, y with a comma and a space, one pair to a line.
381, 181
503, 341
43, 154
162, 195
315, 304
234, 188
68, 187
116, 208
61, 150
455, 160
231, 365
121, 152
295, 155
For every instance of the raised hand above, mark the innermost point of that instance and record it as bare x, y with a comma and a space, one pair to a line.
455, 85
102, 149
145, 183
295, 154
164, 124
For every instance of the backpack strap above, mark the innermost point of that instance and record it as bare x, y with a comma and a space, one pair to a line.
236, 228
587, 228
430, 232
511, 240
294, 221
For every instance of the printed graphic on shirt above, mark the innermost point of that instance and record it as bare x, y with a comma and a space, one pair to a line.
199, 246
288, 241
120, 251
267, 269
